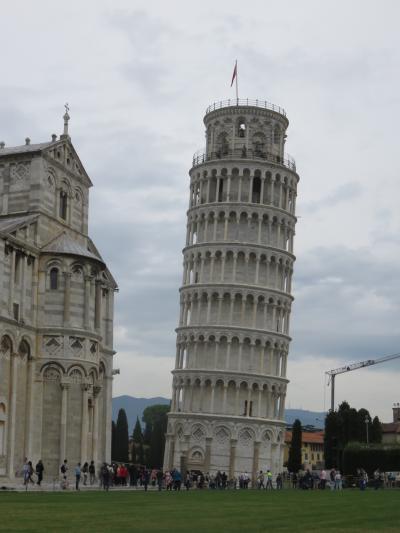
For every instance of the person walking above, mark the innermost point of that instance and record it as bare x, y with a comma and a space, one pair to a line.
92, 473
160, 477
64, 474
322, 480
260, 480
85, 471
338, 480
39, 472
25, 471
279, 482
269, 480
78, 473
105, 476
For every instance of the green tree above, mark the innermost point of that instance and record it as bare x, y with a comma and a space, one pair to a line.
376, 431
332, 436
294, 460
113, 435
137, 435
122, 437
155, 418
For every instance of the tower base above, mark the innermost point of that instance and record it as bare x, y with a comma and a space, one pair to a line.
234, 445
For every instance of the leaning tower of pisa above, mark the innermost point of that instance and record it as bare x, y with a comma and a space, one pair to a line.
229, 381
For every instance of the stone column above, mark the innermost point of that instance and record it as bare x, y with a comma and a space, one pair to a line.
63, 425
212, 397
67, 297
224, 398
226, 228
171, 452
262, 191
256, 456
232, 458
262, 352
95, 434
207, 459
201, 270
11, 287
29, 404
260, 391
282, 406
108, 381
12, 422
228, 191
254, 318
237, 400
235, 256
24, 260
86, 318
97, 312
259, 230
258, 259
85, 423
240, 355
231, 305
212, 259
219, 309
228, 355
223, 259
248, 400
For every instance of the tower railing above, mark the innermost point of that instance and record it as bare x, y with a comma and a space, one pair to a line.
234, 102
202, 156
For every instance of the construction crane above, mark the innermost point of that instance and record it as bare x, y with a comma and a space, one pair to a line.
354, 366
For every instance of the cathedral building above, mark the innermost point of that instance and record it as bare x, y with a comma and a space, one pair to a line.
229, 381
56, 313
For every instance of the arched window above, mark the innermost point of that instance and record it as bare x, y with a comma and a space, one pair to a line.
54, 279
256, 190
242, 128
63, 204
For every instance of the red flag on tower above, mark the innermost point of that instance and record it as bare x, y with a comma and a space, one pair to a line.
234, 75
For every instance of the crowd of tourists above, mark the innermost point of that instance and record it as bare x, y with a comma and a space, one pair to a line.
129, 475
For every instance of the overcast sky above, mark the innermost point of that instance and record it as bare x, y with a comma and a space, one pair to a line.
138, 77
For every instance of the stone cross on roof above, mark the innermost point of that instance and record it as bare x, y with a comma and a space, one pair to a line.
66, 119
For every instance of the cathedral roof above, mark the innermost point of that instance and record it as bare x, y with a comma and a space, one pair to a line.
24, 148
64, 244
8, 225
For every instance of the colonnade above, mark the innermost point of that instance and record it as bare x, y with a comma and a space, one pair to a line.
235, 309
235, 267
228, 397
236, 354
251, 186
231, 226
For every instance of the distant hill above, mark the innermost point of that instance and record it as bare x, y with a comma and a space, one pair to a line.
307, 418
134, 407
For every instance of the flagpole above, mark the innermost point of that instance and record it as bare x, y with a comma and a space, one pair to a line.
237, 93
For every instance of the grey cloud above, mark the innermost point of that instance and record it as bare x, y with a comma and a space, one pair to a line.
346, 192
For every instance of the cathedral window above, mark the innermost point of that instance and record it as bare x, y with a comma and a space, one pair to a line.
63, 204
54, 279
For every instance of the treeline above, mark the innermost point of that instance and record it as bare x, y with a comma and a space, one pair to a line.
146, 445
347, 425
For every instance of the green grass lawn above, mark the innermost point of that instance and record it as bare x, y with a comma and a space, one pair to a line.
205, 511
